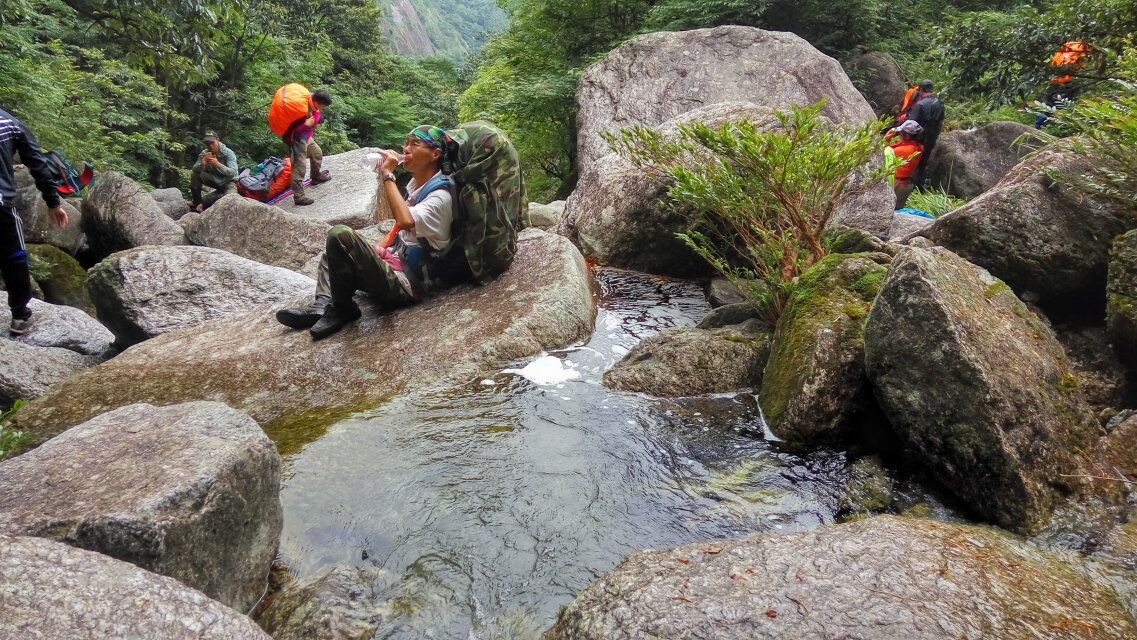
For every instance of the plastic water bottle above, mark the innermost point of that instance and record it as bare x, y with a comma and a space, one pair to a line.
372, 160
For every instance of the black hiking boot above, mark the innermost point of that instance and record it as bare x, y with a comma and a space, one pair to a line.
302, 201
303, 317
322, 177
334, 319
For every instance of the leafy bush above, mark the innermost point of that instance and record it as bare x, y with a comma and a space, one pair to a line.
759, 200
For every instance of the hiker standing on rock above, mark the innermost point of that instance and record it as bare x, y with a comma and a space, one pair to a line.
15, 138
303, 149
216, 168
929, 113
395, 272
906, 147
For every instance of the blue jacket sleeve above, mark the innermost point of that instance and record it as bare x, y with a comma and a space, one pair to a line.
32, 156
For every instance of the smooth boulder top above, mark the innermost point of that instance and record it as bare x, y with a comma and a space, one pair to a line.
55, 325
51, 591
978, 388
350, 197
189, 491
282, 378
145, 292
257, 231
884, 578
654, 77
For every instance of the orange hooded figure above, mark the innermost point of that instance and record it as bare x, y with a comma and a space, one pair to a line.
1069, 55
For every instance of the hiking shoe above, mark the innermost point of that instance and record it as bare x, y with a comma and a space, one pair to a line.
300, 202
302, 317
333, 320
20, 324
323, 177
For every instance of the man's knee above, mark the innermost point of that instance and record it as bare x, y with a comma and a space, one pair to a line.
339, 236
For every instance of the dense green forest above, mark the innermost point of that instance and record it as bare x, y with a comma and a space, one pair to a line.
130, 85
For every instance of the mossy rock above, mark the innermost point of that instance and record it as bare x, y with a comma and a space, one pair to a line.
61, 277
978, 388
814, 381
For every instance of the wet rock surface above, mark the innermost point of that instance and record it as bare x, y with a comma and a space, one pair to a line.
51, 590
280, 376
691, 361
257, 231
814, 381
1037, 235
340, 604
884, 578
63, 327
145, 292
189, 491
657, 76
967, 163
350, 197
119, 214
978, 387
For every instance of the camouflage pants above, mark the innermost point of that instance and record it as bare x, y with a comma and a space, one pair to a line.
303, 153
350, 264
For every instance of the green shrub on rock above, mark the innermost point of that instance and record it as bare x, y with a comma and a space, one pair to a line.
762, 197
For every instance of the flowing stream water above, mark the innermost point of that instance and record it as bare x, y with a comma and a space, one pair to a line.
479, 510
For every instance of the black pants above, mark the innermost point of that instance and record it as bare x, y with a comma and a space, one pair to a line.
14, 262
929, 143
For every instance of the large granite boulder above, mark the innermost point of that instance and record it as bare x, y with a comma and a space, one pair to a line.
967, 163
343, 603
814, 381
688, 361
189, 491
655, 77
119, 214
27, 371
284, 380
621, 215
884, 578
905, 224
1035, 234
257, 231
351, 196
38, 227
1121, 297
145, 292
64, 327
60, 276
879, 79
977, 387
51, 590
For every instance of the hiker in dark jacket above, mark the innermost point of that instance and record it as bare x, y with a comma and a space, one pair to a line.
216, 167
16, 139
929, 113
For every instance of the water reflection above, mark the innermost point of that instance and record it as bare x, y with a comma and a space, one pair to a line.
489, 505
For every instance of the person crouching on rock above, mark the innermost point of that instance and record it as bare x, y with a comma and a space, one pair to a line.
216, 167
395, 272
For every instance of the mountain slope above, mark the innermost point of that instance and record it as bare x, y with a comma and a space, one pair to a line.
455, 29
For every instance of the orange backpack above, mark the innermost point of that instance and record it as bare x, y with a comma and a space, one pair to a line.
289, 104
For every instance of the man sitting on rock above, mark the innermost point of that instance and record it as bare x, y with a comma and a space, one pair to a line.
16, 139
216, 168
394, 272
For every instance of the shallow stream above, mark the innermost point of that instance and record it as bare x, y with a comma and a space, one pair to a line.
481, 509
